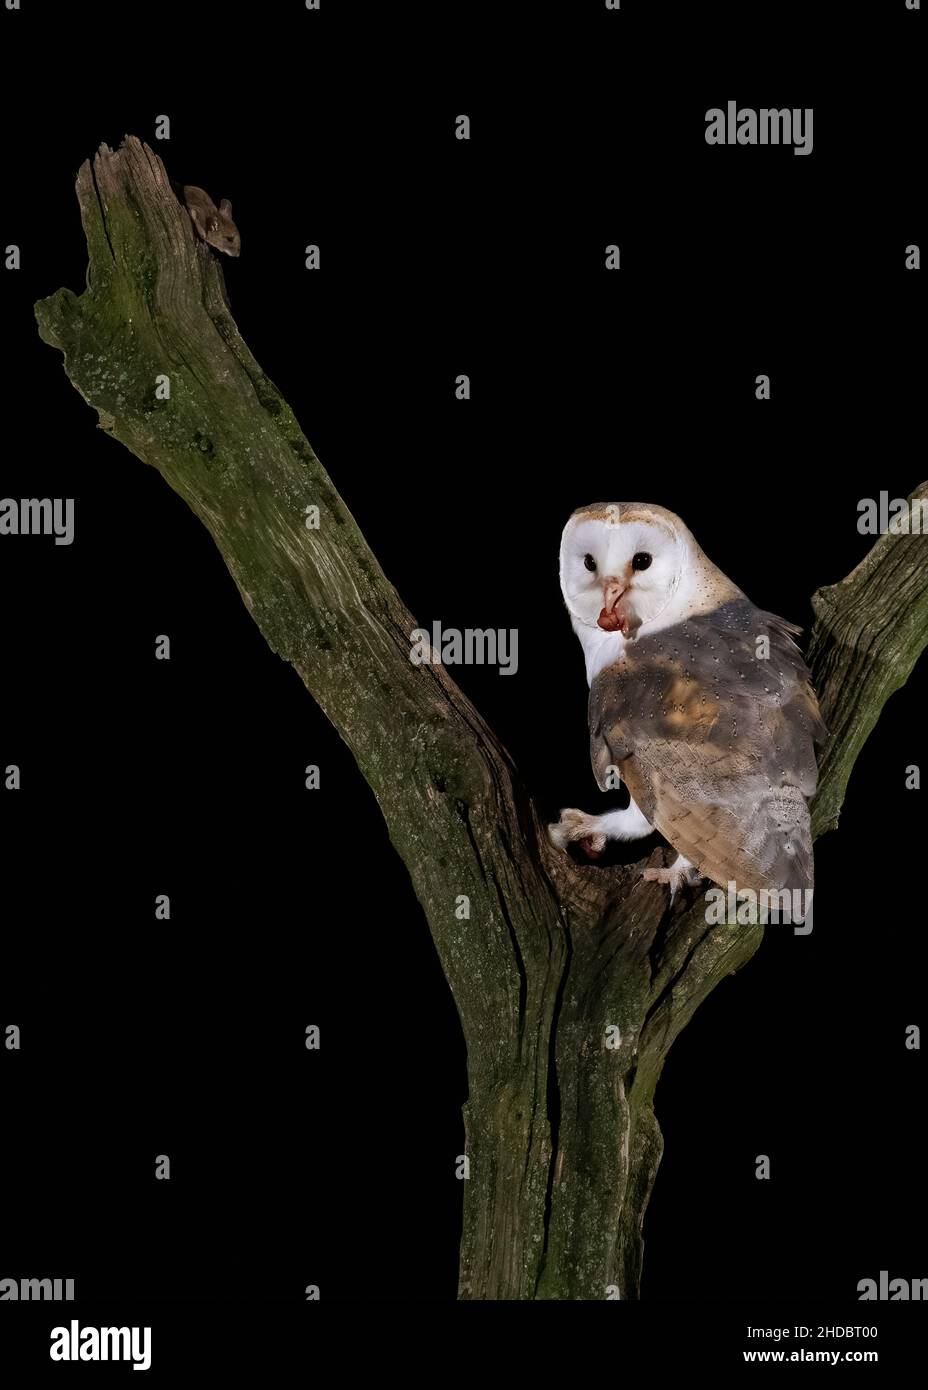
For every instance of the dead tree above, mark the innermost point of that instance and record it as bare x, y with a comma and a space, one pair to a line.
561, 1134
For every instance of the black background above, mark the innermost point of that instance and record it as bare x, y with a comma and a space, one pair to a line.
185, 777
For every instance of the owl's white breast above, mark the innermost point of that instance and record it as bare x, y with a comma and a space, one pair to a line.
600, 649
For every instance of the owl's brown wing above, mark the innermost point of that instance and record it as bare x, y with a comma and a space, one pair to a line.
712, 725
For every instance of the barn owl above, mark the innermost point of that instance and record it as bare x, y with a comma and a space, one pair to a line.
700, 702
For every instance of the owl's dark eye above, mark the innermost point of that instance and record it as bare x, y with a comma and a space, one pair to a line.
641, 561
590, 563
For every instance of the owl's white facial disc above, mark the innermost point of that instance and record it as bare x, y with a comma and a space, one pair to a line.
621, 566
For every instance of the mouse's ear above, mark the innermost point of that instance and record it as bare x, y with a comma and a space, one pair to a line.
225, 207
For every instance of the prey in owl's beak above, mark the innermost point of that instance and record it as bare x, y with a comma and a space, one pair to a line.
612, 618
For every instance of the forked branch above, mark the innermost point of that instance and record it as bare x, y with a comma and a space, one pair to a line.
561, 1136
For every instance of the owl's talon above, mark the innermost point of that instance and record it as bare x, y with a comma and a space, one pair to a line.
593, 832
577, 825
680, 872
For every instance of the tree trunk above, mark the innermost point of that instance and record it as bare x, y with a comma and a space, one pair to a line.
571, 982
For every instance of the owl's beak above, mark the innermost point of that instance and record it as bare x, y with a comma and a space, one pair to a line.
609, 619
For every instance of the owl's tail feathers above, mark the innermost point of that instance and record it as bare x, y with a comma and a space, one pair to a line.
783, 868
791, 863
767, 855
783, 894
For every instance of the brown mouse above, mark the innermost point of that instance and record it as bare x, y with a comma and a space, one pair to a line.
213, 224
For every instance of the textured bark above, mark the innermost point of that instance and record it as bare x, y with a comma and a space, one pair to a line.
561, 1134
